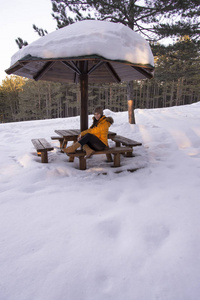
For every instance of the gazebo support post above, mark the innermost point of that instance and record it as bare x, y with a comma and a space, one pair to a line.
84, 95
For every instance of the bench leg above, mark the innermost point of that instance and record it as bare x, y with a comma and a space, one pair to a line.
117, 144
117, 160
82, 163
71, 159
109, 157
129, 154
44, 157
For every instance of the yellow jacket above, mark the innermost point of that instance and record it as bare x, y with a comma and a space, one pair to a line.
101, 129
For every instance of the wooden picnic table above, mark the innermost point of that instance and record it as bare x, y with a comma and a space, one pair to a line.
66, 135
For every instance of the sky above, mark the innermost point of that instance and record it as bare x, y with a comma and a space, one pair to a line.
17, 18
103, 233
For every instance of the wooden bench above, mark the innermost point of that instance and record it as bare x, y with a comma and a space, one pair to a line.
42, 146
116, 151
118, 139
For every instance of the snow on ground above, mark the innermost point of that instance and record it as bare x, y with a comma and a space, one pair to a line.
104, 233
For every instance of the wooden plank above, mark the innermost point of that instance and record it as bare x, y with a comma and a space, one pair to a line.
56, 138
143, 72
38, 146
116, 151
125, 141
59, 132
67, 133
107, 151
113, 73
76, 132
111, 134
76, 66
73, 68
72, 132
41, 145
94, 67
45, 69
16, 67
45, 144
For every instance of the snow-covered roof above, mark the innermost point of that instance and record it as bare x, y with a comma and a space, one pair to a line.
111, 41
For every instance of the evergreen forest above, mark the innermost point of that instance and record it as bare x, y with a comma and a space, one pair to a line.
177, 65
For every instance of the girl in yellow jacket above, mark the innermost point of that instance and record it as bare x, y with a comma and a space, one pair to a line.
96, 137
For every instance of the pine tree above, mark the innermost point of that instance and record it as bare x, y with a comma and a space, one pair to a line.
20, 42
10, 89
153, 19
40, 31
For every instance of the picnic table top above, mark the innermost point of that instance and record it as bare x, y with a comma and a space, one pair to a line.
70, 133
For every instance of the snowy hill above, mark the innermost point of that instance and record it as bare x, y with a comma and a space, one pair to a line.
67, 234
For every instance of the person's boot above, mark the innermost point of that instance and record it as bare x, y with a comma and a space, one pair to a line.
72, 148
88, 151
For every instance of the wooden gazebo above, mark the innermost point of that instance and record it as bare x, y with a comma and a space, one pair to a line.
53, 58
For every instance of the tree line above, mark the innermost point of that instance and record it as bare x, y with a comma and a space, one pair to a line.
176, 82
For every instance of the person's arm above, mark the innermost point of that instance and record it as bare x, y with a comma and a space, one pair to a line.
94, 130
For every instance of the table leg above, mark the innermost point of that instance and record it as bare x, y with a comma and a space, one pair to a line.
64, 144
129, 154
109, 157
117, 144
71, 158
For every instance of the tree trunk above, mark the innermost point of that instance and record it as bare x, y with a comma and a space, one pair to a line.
172, 94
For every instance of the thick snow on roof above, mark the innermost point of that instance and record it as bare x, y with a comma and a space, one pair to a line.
110, 40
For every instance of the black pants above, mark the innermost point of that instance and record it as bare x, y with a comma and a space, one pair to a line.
92, 141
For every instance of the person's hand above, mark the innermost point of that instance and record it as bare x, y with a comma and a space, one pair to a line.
79, 137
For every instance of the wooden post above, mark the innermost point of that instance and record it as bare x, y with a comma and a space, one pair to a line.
109, 157
82, 163
84, 95
131, 115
